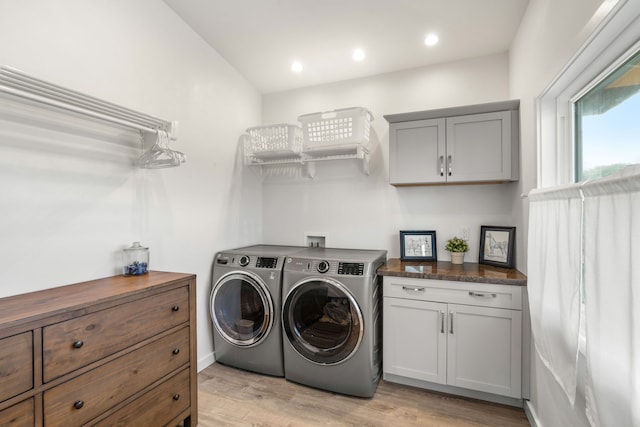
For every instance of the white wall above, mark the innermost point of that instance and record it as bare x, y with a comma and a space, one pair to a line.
72, 199
550, 34
359, 211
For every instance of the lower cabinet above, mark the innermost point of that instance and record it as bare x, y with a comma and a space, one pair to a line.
465, 335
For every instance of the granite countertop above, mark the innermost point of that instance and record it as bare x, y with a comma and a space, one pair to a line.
444, 270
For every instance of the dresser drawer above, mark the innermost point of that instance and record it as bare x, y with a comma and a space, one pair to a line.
16, 365
77, 342
467, 293
104, 387
155, 408
19, 415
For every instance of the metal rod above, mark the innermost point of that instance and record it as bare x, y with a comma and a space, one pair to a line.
21, 85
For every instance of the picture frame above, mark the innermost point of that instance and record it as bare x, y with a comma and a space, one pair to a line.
418, 245
497, 245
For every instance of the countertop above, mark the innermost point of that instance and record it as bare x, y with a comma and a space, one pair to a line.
444, 270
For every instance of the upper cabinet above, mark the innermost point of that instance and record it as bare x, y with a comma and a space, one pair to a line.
471, 144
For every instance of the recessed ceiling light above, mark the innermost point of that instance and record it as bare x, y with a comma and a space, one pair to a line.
296, 66
431, 39
358, 55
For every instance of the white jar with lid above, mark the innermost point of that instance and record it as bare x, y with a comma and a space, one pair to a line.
135, 260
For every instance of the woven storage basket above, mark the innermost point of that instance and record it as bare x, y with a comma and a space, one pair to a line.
345, 127
273, 141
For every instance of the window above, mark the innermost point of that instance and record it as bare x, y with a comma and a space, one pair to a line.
607, 123
563, 121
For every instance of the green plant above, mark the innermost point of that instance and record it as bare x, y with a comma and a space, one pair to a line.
456, 245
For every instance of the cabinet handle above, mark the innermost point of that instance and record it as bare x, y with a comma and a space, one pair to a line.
451, 323
176, 396
442, 322
482, 294
175, 308
441, 165
78, 404
449, 165
176, 350
78, 344
414, 289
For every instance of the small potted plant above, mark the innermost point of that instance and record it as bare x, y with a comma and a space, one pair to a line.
457, 247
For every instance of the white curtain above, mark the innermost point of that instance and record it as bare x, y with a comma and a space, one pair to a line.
612, 299
554, 272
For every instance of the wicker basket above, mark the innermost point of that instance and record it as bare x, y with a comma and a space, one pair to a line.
273, 141
343, 128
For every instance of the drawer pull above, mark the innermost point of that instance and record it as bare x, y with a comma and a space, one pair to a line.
176, 350
481, 294
414, 289
78, 404
78, 344
175, 308
176, 396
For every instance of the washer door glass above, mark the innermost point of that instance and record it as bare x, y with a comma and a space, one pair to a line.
322, 321
241, 308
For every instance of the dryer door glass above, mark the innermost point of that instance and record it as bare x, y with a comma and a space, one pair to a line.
322, 321
241, 309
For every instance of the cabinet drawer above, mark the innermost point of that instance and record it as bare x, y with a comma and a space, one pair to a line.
480, 294
18, 415
104, 387
155, 408
77, 342
16, 365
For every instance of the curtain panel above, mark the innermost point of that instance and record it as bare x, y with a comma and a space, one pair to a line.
612, 299
587, 236
553, 285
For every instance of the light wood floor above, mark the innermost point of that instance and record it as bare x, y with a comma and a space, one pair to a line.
231, 397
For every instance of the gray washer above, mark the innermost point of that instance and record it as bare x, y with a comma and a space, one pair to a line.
245, 303
331, 319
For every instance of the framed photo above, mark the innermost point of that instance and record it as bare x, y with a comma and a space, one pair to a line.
497, 245
418, 246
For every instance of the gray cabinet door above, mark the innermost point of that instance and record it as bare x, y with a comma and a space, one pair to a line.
484, 349
417, 152
415, 339
479, 147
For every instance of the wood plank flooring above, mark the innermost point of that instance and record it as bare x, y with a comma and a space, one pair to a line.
232, 397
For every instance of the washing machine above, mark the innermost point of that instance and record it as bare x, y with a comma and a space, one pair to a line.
332, 319
245, 303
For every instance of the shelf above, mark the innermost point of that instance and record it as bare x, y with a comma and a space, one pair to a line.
308, 159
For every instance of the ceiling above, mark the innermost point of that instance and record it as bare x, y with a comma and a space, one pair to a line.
261, 38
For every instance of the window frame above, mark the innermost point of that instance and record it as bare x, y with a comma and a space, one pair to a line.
621, 60
614, 40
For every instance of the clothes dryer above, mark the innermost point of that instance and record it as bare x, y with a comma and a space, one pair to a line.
331, 318
245, 305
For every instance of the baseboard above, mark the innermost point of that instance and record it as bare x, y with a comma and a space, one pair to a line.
458, 391
205, 361
531, 414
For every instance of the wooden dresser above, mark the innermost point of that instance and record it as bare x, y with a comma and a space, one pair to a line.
119, 351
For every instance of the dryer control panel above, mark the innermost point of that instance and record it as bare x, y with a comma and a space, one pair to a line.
330, 267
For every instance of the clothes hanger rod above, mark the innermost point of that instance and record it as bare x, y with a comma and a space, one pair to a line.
16, 83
